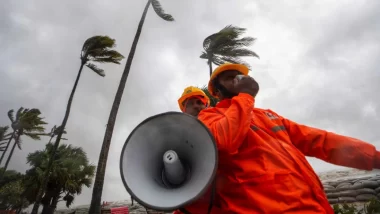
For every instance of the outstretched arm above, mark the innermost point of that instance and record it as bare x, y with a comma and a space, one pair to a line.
230, 128
333, 148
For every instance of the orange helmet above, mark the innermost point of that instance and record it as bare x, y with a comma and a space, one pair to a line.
225, 67
192, 91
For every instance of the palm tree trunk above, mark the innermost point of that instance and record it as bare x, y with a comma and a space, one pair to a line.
56, 144
210, 66
10, 154
6, 148
95, 207
51, 138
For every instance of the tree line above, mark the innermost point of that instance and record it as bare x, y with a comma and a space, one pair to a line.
224, 46
70, 172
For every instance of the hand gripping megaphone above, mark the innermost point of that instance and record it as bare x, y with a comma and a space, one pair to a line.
168, 161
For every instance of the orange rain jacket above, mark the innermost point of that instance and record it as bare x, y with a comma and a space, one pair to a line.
262, 165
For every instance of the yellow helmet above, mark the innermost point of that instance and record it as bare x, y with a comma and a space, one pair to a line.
192, 91
225, 67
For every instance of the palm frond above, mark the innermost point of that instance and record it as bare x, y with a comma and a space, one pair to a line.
106, 56
19, 112
34, 136
10, 115
226, 46
96, 42
97, 70
107, 60
18, 143
3, 132
203, 55
160, 11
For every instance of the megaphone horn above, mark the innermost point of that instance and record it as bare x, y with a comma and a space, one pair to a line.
168, 161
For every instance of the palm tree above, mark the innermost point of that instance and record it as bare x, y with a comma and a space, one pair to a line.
100, 171
95, 49
70, 172
28, 122
226, 46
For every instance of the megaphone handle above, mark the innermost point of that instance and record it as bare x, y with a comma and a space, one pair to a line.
212, 197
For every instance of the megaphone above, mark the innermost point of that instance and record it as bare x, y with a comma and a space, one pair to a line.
168, 161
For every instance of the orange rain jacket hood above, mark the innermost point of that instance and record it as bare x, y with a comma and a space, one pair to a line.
262, 165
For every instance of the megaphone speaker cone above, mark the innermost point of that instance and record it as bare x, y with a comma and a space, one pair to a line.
168, 161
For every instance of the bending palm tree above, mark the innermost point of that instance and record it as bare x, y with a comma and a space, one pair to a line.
226, 46
95, 49
101, 168
28, 122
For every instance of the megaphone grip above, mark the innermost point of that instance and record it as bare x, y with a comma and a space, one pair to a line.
174, 170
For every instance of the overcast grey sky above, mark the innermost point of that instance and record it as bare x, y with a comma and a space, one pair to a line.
318, 66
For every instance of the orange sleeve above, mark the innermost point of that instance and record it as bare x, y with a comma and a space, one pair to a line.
331, 147
231, 127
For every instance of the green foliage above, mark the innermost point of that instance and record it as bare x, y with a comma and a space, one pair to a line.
213, 100
11, 191
345, 209
70, 171
99, 49
226, 46
372, 207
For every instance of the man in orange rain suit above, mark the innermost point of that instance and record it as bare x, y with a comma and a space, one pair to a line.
193, 100
262, 165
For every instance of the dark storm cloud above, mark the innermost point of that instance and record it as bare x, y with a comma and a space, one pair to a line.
318, 66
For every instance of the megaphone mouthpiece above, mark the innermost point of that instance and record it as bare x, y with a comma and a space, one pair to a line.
173, 167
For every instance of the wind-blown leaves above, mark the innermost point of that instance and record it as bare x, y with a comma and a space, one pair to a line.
99, 49
160, 11
10, 115
96, 69
226, 46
